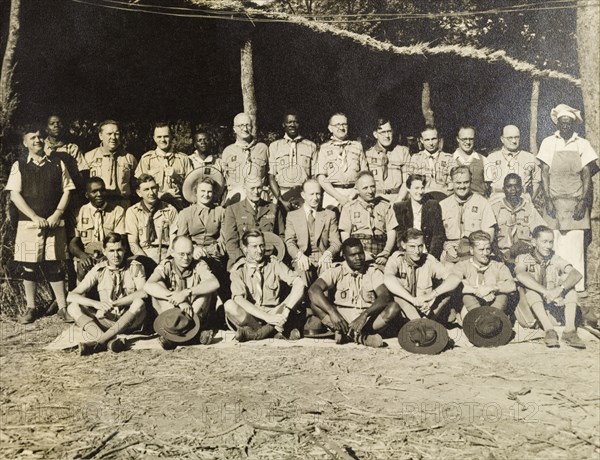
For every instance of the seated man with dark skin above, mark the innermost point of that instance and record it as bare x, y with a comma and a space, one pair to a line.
182, 282
410, 275
359, 297
485, 281
120, 307
257, 308
548, 280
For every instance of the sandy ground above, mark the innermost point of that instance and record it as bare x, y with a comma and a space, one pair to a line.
518, 401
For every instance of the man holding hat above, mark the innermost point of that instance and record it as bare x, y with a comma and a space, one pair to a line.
568, 163
257, 308
120, 307
150, 224
359, 297
548, 280
182, 282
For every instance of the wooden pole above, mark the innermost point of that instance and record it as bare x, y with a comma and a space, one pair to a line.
8, 100
247, 77
533, 123
426, 104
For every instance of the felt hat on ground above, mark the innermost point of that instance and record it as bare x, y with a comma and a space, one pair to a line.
423, 336
487, 327
176, 326
274, 245
563, 110
314, 329
198, 174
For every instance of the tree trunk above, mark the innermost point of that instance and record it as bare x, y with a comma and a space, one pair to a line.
247, 77
588, 37
533, 123
8, 100
426, 104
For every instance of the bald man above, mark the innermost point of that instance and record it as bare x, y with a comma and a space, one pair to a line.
511, 159
243, 159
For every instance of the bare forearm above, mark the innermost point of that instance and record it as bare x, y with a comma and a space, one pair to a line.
328, 188
296, 293
80, 299
320, 300
206, 287
157, 290
396, 288
128, 299
530, 283
250, 308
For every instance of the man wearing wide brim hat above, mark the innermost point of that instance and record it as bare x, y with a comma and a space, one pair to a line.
487, 327
174, 327
568, 163
423, 336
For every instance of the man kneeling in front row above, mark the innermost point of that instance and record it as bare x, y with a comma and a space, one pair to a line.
256, 307
121, 307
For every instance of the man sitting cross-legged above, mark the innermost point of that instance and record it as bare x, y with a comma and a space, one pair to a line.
548, 280
121, 307
182, 282
410, 275
359, 297
256, 307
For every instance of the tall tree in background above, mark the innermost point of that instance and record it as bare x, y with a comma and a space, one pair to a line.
8, 99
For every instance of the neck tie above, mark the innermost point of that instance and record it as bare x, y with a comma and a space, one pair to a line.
384, 163
113, 172
150, 227
99, 225
311, 221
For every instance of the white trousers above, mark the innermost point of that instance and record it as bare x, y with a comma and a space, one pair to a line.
569, 246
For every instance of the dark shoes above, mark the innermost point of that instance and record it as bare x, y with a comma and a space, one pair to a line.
372, 340
572, 339
90, 348
206, 337
117, 345
28, 317
166, 344
293, 335
245, 333
551, 339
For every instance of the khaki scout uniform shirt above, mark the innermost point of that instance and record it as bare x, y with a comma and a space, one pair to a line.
136, 220
460, 221
113, 283
502, 162
431, 269
210, 160
373, 219
245, 161
353, 289
515, 224
340, 162
94, 224
71, 149
387, 167
168, 169
116, 169
176, 280
493, 274
260, 283
555, 267
292, 161
436, 169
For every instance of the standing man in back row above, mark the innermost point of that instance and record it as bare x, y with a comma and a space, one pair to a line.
465, 155
338, 163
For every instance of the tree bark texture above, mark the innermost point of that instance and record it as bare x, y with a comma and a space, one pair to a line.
7, 97
247, 77
426, 104
533, 124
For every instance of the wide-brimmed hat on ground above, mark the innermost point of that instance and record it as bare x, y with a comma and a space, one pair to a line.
198, 174
423, 336
487, 327
176, 326
314, 329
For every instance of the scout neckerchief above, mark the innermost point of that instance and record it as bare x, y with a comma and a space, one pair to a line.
247, 150
343, 153
384, 160
167, 158
411, 273
543, 262
179, 281
431, 159
150, 226
255, 270
370, 207
293, 155
480, 269
113, 167
510, 157
512, 225
357, 278
461, 210
98, 218
116, 274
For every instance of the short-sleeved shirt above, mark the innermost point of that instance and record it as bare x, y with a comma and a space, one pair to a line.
210, 160
113, 283
493, 274
435, 167
555, 268
477, 214
90, 219
353, 289
425, 273
241, 161
15, 182
387, 167
515, 224
71, 149
502, 162
168, 169
244, 281
340, 162
116, 169
553, 143
360, 217
136, 221
292, 161
176, 280
201, 223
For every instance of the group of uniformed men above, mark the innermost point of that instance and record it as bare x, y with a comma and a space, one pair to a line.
369, 238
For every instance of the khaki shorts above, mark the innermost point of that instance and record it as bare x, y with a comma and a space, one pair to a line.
34, 244
349, 313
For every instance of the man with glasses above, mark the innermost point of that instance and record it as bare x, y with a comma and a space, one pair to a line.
338, 163
386, 161
465, 155
511, 159
243, 159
